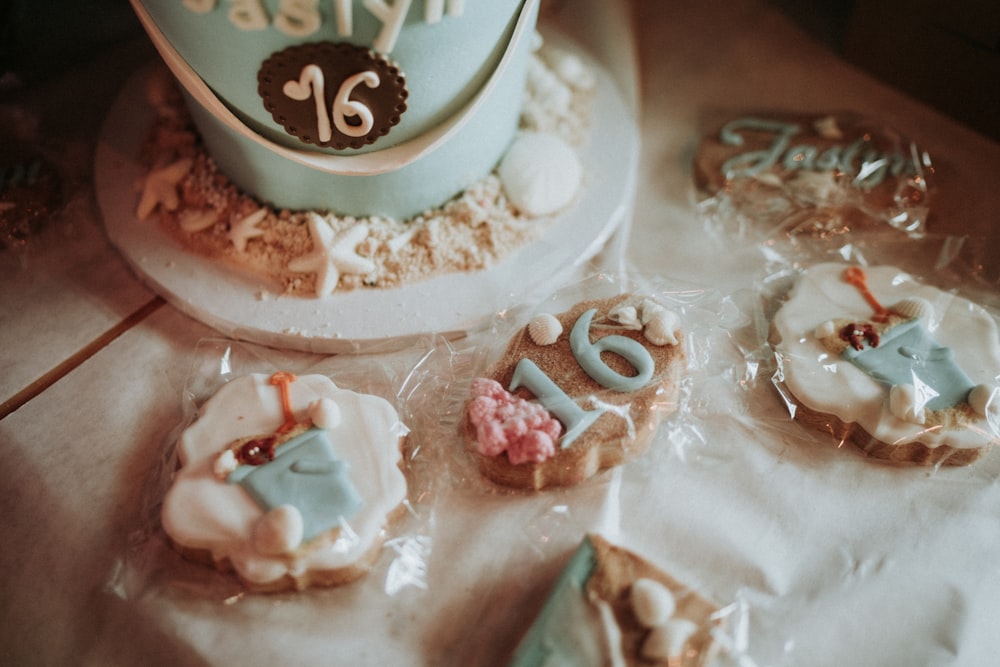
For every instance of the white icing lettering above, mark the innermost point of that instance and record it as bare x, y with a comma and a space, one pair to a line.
311, 83
248, 15
392, 17
200, 6
298, 18
344, 14
301, 18
344, 107
754, 162
434, 9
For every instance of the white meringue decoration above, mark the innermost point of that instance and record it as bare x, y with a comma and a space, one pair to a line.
627, 316
325, 413
903, 404
667, 641
652, 602
278, 532
985, 400
914, 307
541, 173
544, 329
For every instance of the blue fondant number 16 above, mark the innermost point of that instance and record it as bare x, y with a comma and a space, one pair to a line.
575, 419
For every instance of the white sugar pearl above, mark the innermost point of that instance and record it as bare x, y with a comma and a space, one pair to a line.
324, 413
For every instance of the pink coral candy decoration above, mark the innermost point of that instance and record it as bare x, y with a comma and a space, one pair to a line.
504, 422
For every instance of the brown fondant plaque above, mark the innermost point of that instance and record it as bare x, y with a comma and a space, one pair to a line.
332, 94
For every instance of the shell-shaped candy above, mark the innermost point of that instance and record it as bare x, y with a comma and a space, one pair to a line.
667, 641
914, 307
652, 602
540, 173
627, 316
278, 532
197, 221
662, 328
544, 329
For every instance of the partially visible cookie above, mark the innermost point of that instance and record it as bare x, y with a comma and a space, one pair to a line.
576, 393
907, 372
288, 481
815, 175
610, 606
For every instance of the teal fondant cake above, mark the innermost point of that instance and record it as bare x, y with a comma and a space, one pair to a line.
357, 107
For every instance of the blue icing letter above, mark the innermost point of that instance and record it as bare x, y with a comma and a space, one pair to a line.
588, 355
307, 474
574, 419
754, 162
908, 351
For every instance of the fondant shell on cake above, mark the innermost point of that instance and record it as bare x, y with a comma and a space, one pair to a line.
540, 173
544, 329
915, 308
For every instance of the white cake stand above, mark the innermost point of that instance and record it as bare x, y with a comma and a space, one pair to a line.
364, 320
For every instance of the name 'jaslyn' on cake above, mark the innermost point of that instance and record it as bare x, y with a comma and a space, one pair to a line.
403, 140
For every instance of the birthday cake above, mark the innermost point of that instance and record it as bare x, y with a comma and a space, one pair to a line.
906, 371
288, 481
364, 144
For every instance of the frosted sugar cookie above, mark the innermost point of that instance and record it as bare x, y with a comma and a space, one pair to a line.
610, 606
576, 393
288, 481
904, 370
816, 175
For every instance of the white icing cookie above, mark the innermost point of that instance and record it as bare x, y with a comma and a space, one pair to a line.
261, 469
906, 371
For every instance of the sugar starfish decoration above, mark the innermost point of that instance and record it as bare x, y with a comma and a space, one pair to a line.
160, 187
332, 255
246, 228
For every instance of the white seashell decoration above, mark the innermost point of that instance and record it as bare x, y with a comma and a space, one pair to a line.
649, 310
914, 307
662, 328
541, 173
652, 602
985, 400
544, 329
667, 641
828, 128
325, 413
278, 532
197, 221
627, 316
